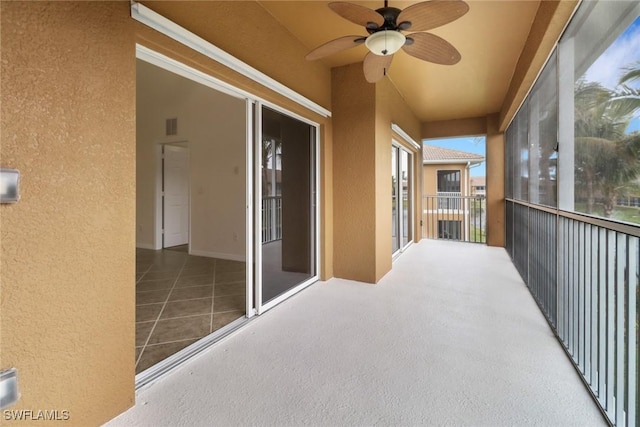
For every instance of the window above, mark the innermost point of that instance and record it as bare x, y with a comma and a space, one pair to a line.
449, 181
520, 155
575, 142
543, 136
606, 105
401, 200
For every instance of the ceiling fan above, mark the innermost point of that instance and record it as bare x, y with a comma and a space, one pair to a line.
385, 27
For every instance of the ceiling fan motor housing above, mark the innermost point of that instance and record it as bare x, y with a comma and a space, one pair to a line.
390, 15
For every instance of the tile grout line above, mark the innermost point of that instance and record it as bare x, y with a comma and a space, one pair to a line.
160, 313
173, 342
136, 331
189, 270
143, 274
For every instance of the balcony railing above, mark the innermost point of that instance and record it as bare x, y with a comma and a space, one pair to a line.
449, 200
584, 274
271, 218
452, 216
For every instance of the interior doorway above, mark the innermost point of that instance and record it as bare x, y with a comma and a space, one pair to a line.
246, 183
175, 195
191, 215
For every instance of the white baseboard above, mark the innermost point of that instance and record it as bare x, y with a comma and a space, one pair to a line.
219, 255
146, 246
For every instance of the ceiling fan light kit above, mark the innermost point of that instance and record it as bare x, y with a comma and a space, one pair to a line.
385, 42
384, 26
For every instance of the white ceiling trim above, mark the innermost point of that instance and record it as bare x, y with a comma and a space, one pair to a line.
169, 28
398, 130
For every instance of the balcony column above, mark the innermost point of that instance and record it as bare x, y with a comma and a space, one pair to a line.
495, 182
354, 168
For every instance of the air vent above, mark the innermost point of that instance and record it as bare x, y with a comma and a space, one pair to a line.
172, 127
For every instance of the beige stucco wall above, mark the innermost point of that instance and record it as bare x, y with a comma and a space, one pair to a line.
391, 108
67, 247
495, 183
430, 177
354, 163
68, 123
363, 114
247, 31
454, 128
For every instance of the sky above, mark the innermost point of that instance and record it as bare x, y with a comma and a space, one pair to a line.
474, 145
623, 52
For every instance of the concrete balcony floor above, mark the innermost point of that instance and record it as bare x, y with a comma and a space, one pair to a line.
451, 336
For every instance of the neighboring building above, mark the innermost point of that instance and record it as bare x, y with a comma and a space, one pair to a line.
446, 183
478, 186
447, 171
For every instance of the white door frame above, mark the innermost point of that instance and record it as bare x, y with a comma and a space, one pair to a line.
158, 212
163, 194
257, 203
253, 231
410, 208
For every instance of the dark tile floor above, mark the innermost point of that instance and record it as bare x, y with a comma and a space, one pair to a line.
181, 298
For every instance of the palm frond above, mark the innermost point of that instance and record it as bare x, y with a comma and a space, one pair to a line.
625, 101
631, 73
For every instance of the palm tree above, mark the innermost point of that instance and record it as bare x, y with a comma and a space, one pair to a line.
606, 159
271, 151
626, 99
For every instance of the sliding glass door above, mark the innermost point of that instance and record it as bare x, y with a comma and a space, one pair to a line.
287, 188
395, 217
401, 201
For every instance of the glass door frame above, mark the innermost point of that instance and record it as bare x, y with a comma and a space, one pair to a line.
257, 205
395, 145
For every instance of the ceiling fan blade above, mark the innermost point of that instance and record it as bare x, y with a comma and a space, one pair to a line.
432, 48
431, 14
376, 66
335, 46
357, 14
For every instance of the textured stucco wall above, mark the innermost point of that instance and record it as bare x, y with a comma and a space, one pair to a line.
390, 108
354, 163
430, 176
250, 33
363, 114
495, 183
453, 128
67, 248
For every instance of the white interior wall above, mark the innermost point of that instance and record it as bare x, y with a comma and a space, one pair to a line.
214, 126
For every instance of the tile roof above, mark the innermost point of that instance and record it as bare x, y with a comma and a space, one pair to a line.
478, 180
431, 153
